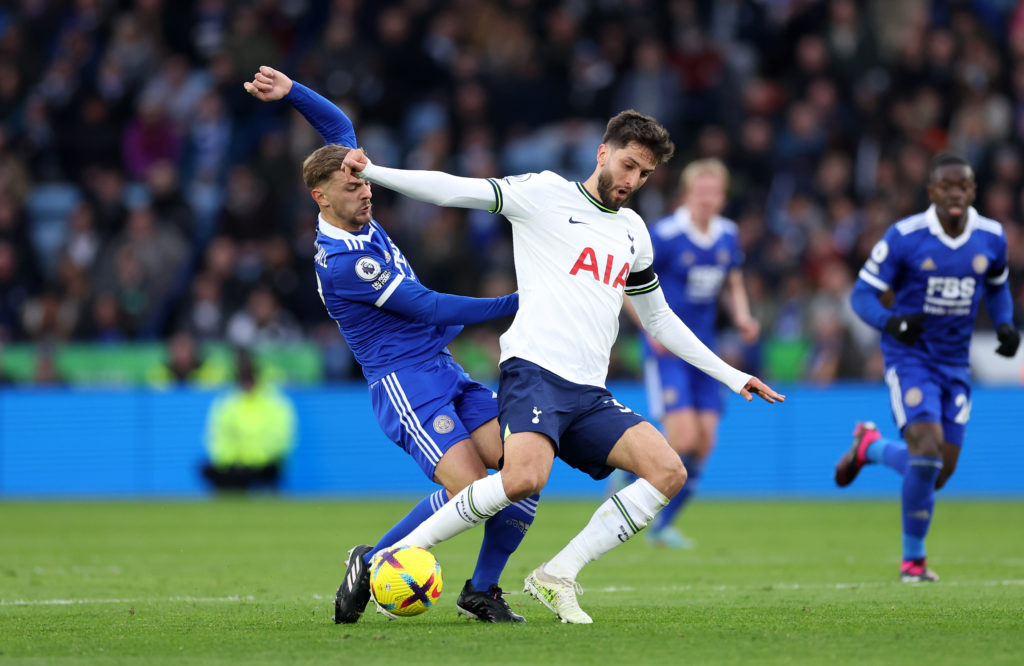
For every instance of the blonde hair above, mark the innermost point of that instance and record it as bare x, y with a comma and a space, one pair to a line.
709, 166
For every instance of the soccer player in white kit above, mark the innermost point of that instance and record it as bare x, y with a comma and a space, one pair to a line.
577, 251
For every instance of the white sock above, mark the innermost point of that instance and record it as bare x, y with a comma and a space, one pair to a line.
621, 516
471, 506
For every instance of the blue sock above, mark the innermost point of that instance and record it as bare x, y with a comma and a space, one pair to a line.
918, 503
503, 532
665, 517
891, 453
426, 508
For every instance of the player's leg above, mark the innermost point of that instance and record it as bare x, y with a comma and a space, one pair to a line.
950, 457
415, 409
693, 438
482, 597
917, 400
934, 450
640, 449
924, 464
485, 497
869, 446
530, 405
682, 431
643, 451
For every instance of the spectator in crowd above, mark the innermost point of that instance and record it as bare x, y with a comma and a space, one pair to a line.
826, 114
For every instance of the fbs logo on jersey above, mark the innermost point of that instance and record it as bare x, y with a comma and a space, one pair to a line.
367, 268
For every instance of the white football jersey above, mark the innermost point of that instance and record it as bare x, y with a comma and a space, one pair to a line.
572, 257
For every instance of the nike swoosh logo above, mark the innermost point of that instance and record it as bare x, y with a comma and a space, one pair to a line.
572, 221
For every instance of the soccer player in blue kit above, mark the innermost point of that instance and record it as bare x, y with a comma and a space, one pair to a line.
696, 256
398, 330
939, 264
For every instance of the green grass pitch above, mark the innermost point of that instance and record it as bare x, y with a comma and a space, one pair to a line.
252, 581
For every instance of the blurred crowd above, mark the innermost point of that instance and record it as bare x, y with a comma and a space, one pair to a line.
144, 194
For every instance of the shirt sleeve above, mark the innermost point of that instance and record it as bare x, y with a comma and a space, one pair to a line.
882, 268
329, 121
516, 196
998, 300
365, 278
437, 187
663, 324
360, 277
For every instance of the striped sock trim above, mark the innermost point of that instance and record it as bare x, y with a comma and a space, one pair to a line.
629, 520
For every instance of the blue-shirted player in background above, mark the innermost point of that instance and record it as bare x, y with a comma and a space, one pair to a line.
398, 331
938, 264
696, 256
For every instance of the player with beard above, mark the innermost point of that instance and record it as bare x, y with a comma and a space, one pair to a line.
577, 252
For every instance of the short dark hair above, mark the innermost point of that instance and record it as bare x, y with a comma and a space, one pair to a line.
946, 159
321, 164
631, 126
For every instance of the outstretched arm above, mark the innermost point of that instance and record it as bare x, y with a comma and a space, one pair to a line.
330, 122
414, 301
666, 327
433, 187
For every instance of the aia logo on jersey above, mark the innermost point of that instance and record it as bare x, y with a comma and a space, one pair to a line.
587, 263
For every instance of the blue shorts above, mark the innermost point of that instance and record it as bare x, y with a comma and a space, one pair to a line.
583, 421
429, 407
674, 384
921, 392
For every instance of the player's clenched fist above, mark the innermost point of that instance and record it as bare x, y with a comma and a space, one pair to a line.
356, 160
268, 84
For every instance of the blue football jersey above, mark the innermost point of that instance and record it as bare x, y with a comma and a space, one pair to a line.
943, 277
692, 267
356, 275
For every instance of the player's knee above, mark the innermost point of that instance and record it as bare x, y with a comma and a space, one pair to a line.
925, 444
668, 477
522, 483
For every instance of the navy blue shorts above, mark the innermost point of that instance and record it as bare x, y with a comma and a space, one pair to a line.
583, 421
921, 392
429, 407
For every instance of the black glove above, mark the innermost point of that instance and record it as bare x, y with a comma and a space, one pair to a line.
1009, 340
906, 328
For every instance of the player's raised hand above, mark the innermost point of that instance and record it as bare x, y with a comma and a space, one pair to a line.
355, 161
906, 328
1009, 340
268, 84
756, 387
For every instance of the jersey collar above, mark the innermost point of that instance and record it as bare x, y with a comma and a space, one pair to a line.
594, 201
337, 233
699, 238
935, 227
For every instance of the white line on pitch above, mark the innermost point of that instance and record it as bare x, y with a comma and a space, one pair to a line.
800, 586
71, 602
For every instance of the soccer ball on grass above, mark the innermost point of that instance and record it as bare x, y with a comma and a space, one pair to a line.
405, 581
